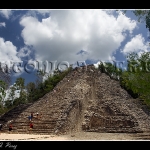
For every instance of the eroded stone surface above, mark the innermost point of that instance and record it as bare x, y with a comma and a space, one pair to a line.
85, 99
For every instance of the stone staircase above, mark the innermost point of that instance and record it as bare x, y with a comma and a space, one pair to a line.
85, 100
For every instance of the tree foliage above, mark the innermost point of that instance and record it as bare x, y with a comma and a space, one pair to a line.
3, 86
19, 85
110, 69
143, 16
4, 76
137, 77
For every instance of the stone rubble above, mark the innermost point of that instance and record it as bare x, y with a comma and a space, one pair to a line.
88, 100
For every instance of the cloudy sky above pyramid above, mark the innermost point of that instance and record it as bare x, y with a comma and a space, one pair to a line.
68, 35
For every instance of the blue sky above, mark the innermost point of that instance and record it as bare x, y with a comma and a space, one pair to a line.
31, 36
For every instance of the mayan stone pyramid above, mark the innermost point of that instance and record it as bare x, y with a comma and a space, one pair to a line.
85, 100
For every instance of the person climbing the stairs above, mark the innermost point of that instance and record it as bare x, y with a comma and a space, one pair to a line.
31, 116
41, 115
37, 115
1, 127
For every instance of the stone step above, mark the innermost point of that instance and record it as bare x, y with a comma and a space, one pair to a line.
35, 123
26, 131
116, 130
35, 129
44, 116
35, 120
35, 132
48, 126
42, 128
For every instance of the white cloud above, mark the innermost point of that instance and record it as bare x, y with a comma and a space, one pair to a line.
8, 51
18, 74
6, 13
42, 11
136, 44
2, 24
66, 32
97, 64
24, 52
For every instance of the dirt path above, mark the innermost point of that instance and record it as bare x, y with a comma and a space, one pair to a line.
79, 136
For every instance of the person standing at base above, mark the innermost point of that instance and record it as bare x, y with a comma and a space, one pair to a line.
31, 125
10, 128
